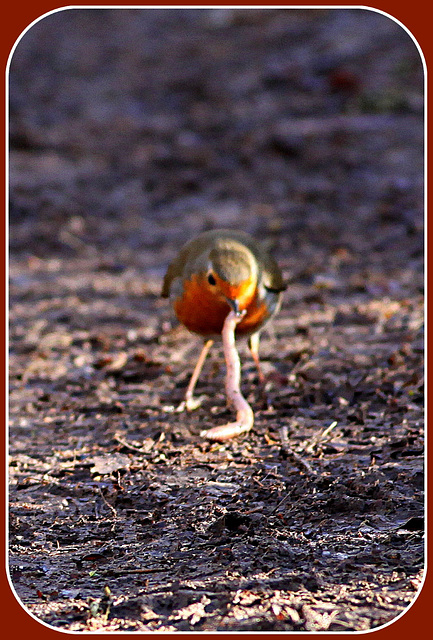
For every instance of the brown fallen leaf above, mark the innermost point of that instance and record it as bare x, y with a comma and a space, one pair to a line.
103, 465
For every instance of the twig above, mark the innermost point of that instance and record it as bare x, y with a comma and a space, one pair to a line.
282, 501
292, 455
320, 437
110, 506
328, 430
127, 445
121, 572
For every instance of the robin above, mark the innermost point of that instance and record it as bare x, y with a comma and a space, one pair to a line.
216, 272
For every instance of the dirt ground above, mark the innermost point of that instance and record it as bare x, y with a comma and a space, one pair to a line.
131, 131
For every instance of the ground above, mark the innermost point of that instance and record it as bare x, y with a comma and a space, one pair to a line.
131, 131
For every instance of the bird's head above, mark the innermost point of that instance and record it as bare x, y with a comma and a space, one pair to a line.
232, 274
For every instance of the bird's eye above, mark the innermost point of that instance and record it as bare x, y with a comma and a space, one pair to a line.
211, 279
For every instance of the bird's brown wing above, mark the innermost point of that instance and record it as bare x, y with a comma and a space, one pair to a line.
272, 276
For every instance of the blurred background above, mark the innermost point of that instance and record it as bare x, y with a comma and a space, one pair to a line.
133, 129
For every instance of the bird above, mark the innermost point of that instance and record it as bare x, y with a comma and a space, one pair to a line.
216, 272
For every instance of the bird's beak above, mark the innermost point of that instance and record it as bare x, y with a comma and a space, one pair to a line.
234, 304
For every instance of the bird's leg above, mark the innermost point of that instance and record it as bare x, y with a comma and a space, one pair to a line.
253, 343
190, 403
273, 376
244, 413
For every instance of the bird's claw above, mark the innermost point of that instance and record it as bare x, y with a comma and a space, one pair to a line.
190, 404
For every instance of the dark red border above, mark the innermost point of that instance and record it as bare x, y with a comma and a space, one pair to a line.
17, 17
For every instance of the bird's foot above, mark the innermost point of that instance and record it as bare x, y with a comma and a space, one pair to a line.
190, 404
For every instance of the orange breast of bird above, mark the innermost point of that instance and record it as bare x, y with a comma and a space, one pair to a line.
200, 311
